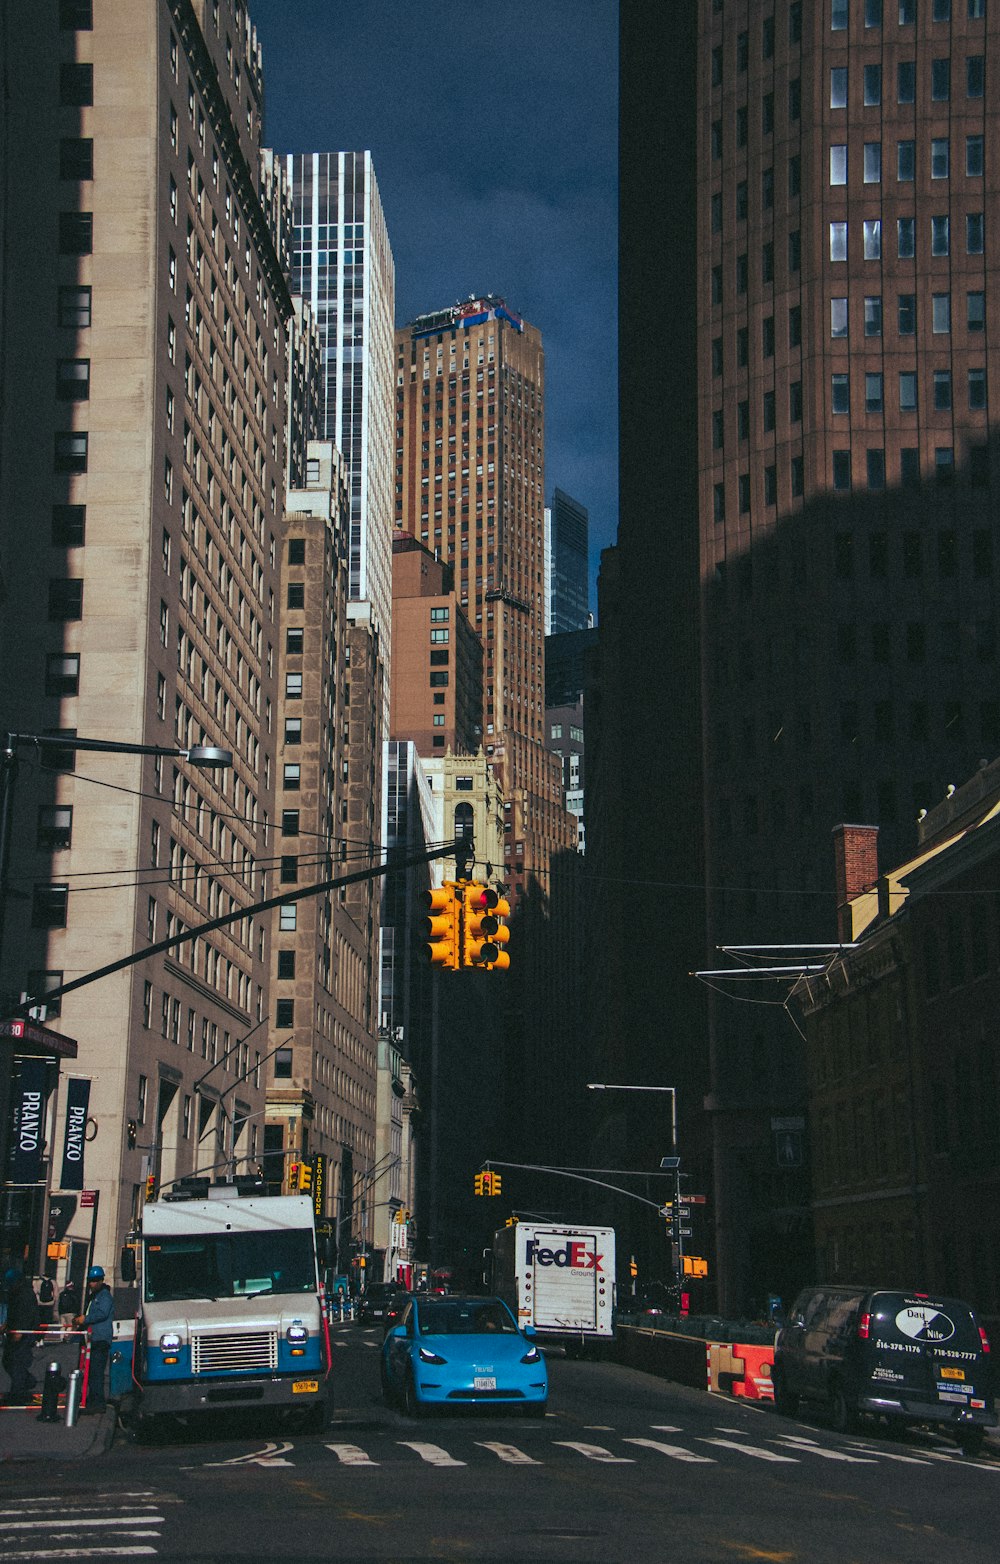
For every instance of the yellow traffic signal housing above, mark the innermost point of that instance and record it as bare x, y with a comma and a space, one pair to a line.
305, 1176
485, 934
151, 1186
442, 927
294, 1169
478, 1183
497, 1181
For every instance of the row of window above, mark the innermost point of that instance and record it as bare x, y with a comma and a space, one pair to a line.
908, 475
906, 82
914, 548
906, 237
941, 11
840, 391
906, 162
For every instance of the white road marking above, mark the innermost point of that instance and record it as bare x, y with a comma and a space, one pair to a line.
890, 1455
676, 1452
665, 1428
509, 1453
810, 1447
754, 1450
595, 1452
432, 1454
78, 1521
352, 1455
271, 1455
85, 1553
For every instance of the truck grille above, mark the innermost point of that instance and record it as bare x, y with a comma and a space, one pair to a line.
229, 1354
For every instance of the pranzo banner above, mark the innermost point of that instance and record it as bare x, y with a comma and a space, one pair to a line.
75, 1136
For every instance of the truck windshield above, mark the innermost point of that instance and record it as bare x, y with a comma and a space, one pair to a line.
229, 1265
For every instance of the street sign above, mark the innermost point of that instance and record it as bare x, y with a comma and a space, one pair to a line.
685, 1232
695, 1200
87, 1198
685, 1211
670, 1162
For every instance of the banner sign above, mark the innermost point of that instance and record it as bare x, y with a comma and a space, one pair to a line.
74, 1140
319, 1182
28, 1122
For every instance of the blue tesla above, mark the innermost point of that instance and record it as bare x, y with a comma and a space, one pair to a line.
462, 1351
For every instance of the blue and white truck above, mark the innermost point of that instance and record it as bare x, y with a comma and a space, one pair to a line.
231, 1312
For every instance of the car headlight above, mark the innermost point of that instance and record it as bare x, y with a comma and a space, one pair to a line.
427, 1356
296, 1336
532, 1356
171, 1341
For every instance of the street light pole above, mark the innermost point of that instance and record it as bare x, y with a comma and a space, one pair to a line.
671, 1164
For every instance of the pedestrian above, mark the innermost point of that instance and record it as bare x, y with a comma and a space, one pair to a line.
20, 1335
46, 1299
98, 1323
69, 1305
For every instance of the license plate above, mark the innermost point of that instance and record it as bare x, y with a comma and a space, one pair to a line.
952, 1373
307, 1385
953, 1395
484, 1382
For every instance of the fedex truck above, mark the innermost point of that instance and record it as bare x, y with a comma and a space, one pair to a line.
559, 1279
231, 1311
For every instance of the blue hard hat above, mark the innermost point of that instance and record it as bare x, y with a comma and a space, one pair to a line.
96, 1273
11, 1276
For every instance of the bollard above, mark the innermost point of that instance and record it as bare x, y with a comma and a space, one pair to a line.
73, 1398
51, 1386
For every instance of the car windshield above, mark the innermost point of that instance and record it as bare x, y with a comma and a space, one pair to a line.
464, 1317
229, 1265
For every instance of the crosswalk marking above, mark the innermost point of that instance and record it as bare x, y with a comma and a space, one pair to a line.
81, 1520
890, 1455
509, 1453
85, 1553
810, 1447
676, 1451
754, 1450
352, 1455
595, 1452
432, 1454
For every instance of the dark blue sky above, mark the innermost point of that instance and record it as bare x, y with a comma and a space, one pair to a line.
493, 130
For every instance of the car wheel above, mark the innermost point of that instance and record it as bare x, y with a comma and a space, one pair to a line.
970, 1440
786, 1402
843, 1417
411, 1406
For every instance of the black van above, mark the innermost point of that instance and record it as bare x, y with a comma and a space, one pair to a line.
903, 1356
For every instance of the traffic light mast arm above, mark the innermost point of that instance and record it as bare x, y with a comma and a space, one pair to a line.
411, 861
538, 1167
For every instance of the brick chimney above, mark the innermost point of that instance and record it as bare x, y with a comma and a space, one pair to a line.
855, 861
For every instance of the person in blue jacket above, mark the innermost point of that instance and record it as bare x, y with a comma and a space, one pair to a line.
98, 1323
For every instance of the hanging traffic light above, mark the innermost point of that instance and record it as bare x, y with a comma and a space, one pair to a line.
150, 1186
305, 1177
442, 927
485, 934
294, 1169
478, 1183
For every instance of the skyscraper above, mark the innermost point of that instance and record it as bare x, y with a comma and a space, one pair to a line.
567, 561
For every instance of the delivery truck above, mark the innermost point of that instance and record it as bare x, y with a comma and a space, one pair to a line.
230, 1313
560, 1279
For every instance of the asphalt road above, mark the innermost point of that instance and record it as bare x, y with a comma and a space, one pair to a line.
624, 1468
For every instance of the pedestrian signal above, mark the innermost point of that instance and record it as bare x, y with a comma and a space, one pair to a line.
441, 927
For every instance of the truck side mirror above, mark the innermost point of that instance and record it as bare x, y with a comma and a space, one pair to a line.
126, 1265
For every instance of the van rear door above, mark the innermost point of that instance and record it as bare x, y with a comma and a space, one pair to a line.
929, 1349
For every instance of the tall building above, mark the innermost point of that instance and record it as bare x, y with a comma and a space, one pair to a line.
144, 341
567, 565
342, 265
831, 654
470, 394
437, 658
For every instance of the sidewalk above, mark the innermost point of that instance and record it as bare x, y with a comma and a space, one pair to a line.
23, 1437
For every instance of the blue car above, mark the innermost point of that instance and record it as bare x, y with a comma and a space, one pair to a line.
461, 1351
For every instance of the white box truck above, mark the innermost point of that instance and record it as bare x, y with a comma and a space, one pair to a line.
560, 1279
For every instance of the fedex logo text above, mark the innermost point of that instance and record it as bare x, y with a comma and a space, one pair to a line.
574, 1255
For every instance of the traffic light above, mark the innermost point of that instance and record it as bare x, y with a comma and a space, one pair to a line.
496, 1184
150, 1186
131, 1134
485, 934
442, 927
294, 1169
305, 1177
480, 1177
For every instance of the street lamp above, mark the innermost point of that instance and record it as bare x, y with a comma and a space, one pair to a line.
670, 1164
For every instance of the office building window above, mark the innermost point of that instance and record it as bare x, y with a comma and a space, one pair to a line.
288, 918
716, 284
840, 393
283, 1064
716, 355
974, 157
742, 273
73, 307
838, 87
873, 315
69, 525
767, 113
942, 390
716, 151
838, 15
941, 313
873, 239
76, 15
906, 160
798, 477
743, 490
838, 164
293, 730
907, 314
767, 262
717, 212
872, 85
293, 686
939, 157
296, 594
289, 822
794, 250
717, 429
742, 201
906, 242
944, 463
907, 13
65, 599
795, 99
742, 126
906, 81
795, 402
76, 85
909, 467
742, 347
907, 391
770, 485
838, 317
743, 420
940, 80
975, 75
49, 905
940, 235
975, 317
73, 379
838, 241
768, 411
719, 502
291, 776
977, 389
794, 176
76, 233
940, 10
977, 10
795, 22
767, 336
54, 827
841, 470
76, 157
873, 162
873, 392
289, 872
974, 233
795, 326
876, 469
71, 451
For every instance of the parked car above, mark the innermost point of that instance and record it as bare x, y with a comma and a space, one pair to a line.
903, 1356
374, 1301
457, 1350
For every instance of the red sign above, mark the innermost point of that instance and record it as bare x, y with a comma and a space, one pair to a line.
88, 1197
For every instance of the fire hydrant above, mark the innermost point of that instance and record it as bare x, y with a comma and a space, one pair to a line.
52, 1384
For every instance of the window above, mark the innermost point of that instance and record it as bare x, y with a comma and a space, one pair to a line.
49, 904
770, 485
795, 22
873, 162
907, 391
717, 430
944, 463
289, 873
716, 154
840, 393
975, 316
76, 157
872, 85
742, 346
942, 390
716, 284
41, 985
795, 402
294, 640
838, 164
873, 13
941, 11
798, 476
975, 75
795, 99
717, 212
76, 85
940, 80
743, 491
286, 963
719, 502
906, 81
76, 233
841, 470
794, 176
291, 776
55, 826
977, 389
68, 525
940, 236
873, 315
768, 411
974, 233
974, 157
873, 392
76, 15
838, 15
73, 307
767, 336
293, 730
977, 10
873, 238
906, 160
289, 822
71, 451
296, 551
65, 599
838, 87
742, 126
876, 469
907, 315
296, 594
741, 201
767, 113
717, 66
909, 467
941, 313
794, 250
838, 241
742, 273
73, 379
907, 13
716, 355
293, 686
288, 918
283, 1060
905, 238
838, 317
767, 189
743, 420
767, 38
939, 157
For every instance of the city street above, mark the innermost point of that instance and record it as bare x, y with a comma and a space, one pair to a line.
624, 1467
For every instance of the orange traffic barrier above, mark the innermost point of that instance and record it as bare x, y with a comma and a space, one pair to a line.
756, 1383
